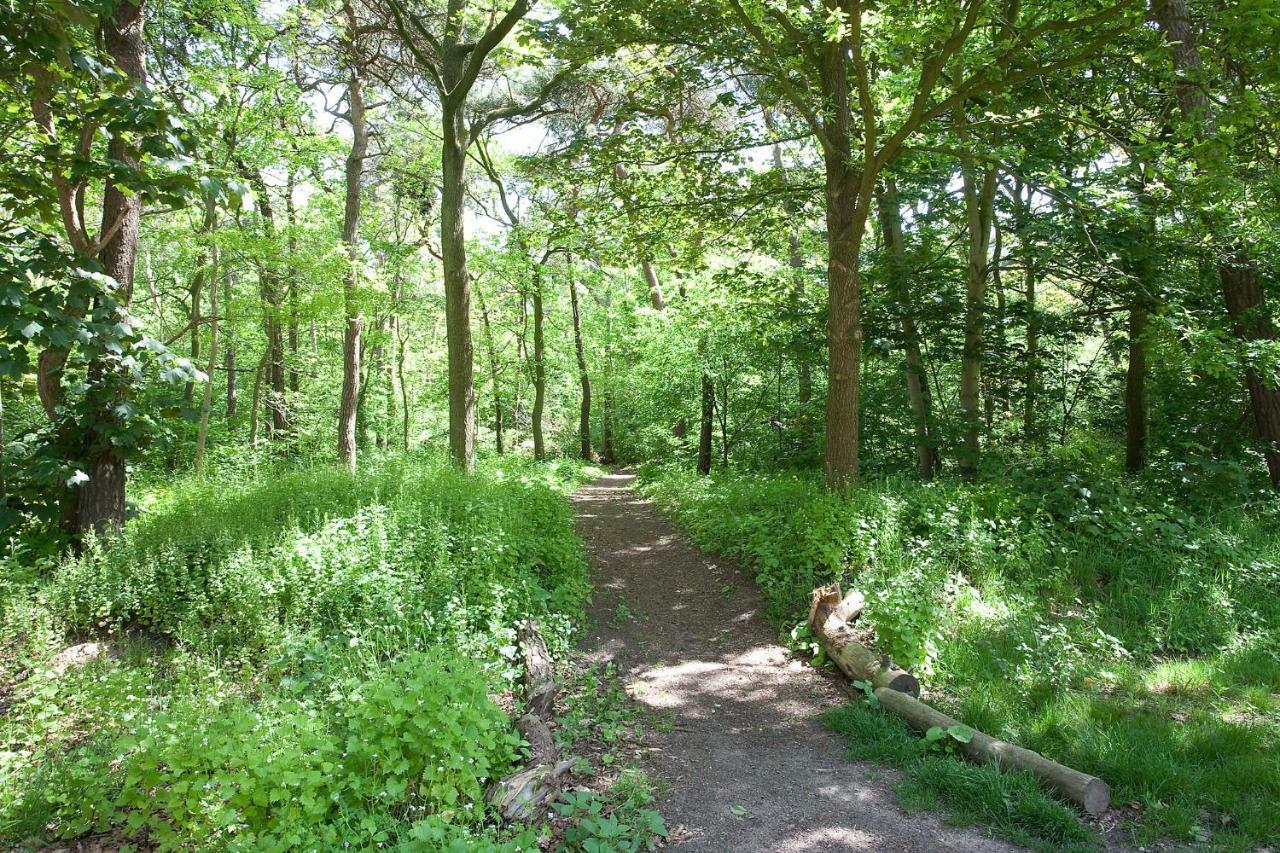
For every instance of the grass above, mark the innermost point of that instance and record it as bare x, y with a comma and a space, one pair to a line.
292, 658
1128, 629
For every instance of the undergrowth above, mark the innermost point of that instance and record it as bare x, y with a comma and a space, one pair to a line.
1127, 629
293, 659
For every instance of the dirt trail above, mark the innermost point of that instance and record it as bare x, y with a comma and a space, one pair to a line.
686, 633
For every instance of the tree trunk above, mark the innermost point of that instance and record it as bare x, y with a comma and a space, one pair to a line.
457, 291
229, 361
1237, 271
1135, 393
539, 367
584, 413
291, 246
707, 424
494, 374
256, 399
979, 200
269, 285
350, 293
795, 261
1031, 376
202, 432
193, 317
845, 222
1246, 305
606, 415
101, 502
402, 339
917, 384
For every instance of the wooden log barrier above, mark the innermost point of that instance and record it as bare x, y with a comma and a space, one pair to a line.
527, 792
830, 616
1089, 792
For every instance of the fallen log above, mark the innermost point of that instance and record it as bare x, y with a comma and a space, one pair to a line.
830, 615
525, 793
540, 685
1089, 792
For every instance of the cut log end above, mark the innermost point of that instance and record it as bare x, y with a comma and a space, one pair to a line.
1096, 797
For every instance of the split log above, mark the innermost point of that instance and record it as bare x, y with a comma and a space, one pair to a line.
830, 616
540, 685
525, 794
1089, 792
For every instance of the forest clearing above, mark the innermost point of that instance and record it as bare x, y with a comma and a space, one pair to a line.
763, 425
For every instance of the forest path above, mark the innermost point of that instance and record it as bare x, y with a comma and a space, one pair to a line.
687, 635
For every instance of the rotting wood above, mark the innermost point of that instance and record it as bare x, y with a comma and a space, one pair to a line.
1089, 792
830, 616
525, 794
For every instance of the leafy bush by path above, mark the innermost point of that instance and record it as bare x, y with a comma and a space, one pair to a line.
300, 660
1103, 623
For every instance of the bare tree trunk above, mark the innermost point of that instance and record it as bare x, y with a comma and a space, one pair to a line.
193, 317
707, 424
917, 384
584, 413
269, 285
256, 399
229, 361
402, 336
1031, 375
846, 218
606, 415
350, 235
291, 245
101, 503
1135, 393
202, 432
457, 291
494, 373
979, 200
539, 367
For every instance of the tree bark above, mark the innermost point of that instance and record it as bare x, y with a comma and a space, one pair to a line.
195, 292
707, 424
101, 502
350, 234
229, 361
917, 384
256, 399
1031, 368
494, 374
979, 200
539, 366
457, 288
845, 220
1135, 393
202, 431
291, 247
269, 285
584, 411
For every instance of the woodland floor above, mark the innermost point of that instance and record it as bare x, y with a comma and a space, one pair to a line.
741, 758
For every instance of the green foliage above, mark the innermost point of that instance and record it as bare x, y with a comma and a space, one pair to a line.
616, 822
295, 660
400, 554
1056, 609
